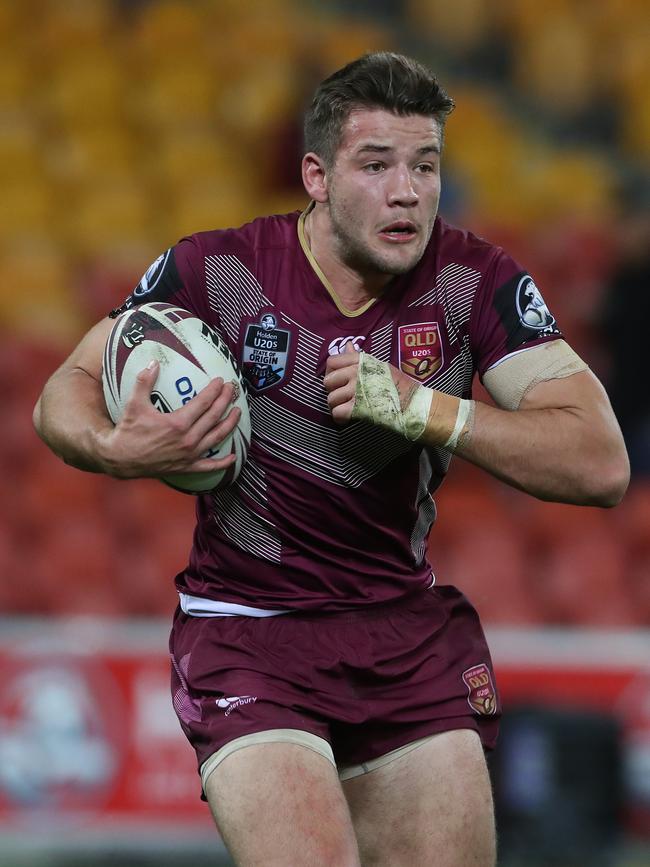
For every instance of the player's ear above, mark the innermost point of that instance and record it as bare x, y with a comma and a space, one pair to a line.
314, 177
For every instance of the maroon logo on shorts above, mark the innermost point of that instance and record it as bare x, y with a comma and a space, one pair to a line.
482, 696
420, 349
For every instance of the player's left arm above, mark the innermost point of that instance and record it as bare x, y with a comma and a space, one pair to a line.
562, 441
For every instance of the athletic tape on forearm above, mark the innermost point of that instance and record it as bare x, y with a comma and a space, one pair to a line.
376, 400
463, 419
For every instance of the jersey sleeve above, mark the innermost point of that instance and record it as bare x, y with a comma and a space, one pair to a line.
175, 277
509, 314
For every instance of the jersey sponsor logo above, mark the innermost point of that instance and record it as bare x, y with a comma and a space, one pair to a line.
266, 348
268, 322
482, 696
420, 349
159, 283
152, 275
531, 307
337, 346
232, 702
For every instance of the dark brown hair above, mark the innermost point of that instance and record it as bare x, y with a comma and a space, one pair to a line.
380, 80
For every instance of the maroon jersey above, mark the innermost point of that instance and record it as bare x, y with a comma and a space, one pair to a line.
324, 517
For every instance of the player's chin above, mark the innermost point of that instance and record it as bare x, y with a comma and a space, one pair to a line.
402, 261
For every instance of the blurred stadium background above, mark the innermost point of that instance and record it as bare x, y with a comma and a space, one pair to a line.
125, 125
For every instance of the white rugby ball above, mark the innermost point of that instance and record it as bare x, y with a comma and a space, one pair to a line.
190, 353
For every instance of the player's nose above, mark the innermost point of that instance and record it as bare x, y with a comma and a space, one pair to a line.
402, 189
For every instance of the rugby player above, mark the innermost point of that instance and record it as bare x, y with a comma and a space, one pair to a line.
339, 699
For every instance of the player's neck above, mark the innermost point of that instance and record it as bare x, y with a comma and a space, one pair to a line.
353, 288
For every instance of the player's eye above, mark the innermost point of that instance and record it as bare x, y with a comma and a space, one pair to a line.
373, 168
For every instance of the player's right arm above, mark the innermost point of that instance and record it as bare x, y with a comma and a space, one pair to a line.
71, 418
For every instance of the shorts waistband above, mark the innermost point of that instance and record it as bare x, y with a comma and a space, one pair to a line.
199, 606
196, 606
368, 611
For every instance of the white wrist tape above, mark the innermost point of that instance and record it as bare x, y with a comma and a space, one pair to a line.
377, 400
465, 408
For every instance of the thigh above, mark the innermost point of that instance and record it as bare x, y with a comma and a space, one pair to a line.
430, 806
234, 677
281, 805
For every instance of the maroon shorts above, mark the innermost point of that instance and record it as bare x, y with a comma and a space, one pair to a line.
366, 681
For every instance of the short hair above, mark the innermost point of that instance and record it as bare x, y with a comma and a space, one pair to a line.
383, 80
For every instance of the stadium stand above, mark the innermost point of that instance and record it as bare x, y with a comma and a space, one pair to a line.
98, 171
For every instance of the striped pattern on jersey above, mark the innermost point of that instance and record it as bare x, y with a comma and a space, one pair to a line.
252, 481
305, 385
247, 529
455, 289
381, 342
347, 457
233, 292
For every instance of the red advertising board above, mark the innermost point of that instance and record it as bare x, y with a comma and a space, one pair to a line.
88, 737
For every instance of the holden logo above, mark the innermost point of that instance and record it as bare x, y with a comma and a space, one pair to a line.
152, 275
531, 307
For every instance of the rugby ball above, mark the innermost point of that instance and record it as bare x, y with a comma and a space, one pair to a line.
190, 353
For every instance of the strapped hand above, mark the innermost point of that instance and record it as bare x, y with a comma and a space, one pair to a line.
362, 387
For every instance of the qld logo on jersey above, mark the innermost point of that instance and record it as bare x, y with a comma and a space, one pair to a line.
266, 347
420, 350
531, 307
